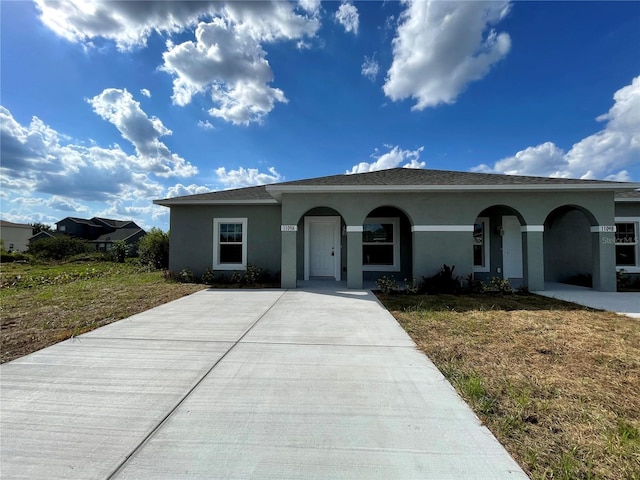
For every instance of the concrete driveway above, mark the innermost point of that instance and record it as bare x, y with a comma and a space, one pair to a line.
242, 384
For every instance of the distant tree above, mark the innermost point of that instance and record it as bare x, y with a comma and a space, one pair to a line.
58, 248
40, 227
119, 251
153, 249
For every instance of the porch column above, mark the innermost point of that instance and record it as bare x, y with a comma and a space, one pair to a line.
533, 256
604, 258
354, 256
288, 271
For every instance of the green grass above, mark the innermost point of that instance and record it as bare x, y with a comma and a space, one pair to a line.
558, 384
42, 304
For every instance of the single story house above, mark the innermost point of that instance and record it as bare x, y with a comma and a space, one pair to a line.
15, 236
407, 223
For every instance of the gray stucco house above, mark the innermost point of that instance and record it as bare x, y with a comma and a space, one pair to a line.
407, 223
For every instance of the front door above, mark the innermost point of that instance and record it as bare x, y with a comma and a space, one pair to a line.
511, 247
322, 247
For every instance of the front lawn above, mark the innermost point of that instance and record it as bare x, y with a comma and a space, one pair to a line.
557, 384
42, 304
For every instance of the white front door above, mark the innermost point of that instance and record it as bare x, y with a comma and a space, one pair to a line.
322, 247
511, 247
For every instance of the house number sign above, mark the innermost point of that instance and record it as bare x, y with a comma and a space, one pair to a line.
608, 228
288, 228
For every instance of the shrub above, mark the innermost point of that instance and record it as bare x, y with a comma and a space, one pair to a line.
186, 276
387, 284
119, 251
58, 248
208, 277
499, 285
153, 249
442, 282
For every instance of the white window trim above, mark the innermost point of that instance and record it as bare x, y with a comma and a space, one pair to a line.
216, 244
631, 268
396, 245
487, 239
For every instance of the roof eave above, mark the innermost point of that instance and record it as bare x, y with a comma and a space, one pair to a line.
169, 202
278, 190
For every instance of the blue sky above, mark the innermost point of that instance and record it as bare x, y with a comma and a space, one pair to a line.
106, 106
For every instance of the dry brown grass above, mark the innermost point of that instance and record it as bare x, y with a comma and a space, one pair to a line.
557, 384
35, 317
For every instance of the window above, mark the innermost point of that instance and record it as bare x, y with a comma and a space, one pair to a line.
229, 243
381, 244
626, 244
62, 228
481, 245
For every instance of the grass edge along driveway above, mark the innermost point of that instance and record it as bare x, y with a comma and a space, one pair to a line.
556, 383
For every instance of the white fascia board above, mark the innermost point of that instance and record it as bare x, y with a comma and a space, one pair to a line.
276, 190
170, 202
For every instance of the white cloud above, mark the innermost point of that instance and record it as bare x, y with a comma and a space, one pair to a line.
38, 162
347, 16
604, 154
246, 177
311, 6
145, 92
394, 158
228, 61
205, 124
128, 24
118, 107
370, 68
441, 47
180, 190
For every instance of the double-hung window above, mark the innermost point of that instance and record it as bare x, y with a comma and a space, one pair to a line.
381, 244
481, 245
626, 244
229, 243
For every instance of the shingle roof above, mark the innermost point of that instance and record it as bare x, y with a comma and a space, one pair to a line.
633, 195
4, 223
400, 177
120, 234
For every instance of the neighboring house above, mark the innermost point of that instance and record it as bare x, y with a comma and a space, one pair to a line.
100, 232
405, 223
627, 232
15, 236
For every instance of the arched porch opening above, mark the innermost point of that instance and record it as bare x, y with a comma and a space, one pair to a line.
387, 244
498, 247
568, 246
321, 245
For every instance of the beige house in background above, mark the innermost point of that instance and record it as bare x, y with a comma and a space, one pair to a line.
15, 236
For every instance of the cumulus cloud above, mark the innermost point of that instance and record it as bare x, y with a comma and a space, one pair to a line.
246, 177
227, 59
180, 190
37, 159
119, 107
145, 92
605, 154
441, 47
347, 16
370, 68
394, 158
205, 124
128, 24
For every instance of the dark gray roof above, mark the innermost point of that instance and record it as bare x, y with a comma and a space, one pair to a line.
400, 177
629, 196
120, 234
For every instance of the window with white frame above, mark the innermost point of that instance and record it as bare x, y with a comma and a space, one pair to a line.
229, 243
381, 244
481, 245
627, 243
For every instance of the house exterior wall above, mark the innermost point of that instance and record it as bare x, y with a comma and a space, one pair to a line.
191, 240
437, 229
16, 238
628, 209
568, 247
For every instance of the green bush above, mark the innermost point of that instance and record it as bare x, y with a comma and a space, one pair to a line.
153, 249
58, 248
119, 251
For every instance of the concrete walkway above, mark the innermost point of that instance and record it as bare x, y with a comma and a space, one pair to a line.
623, 303
242, 384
